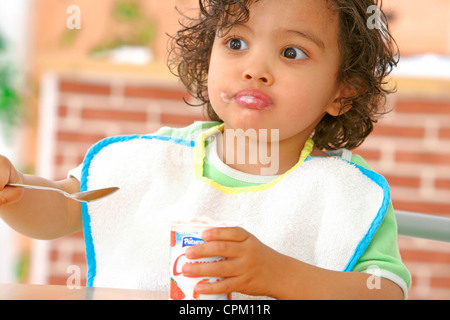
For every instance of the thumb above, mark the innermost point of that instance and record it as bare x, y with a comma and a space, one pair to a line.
10, 195
8, 174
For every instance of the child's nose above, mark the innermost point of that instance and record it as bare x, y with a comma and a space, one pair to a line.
259, 74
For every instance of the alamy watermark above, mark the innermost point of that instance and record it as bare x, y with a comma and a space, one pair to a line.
251, 147
374, 21
74, 279
258, 148
74, 19
374, 280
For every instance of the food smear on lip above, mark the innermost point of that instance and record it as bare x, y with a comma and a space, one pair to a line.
254, 99
226, 97
252, 102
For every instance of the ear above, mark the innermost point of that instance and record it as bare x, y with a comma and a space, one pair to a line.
345, 91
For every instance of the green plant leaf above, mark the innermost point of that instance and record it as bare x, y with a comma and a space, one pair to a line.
126, 10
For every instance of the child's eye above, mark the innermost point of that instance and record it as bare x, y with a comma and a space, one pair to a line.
237, 44
293, 54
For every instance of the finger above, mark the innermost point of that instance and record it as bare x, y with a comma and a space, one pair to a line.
226, 249
10, 195
219, 269
226, 285
225, 234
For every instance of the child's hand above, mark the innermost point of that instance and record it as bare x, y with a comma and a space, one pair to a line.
8, 174
251, 267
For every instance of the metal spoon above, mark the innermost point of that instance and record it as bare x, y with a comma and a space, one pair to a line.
85, 196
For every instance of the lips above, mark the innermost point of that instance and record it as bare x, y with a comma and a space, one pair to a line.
253, 99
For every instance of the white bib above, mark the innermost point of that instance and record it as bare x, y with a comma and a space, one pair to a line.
323, 212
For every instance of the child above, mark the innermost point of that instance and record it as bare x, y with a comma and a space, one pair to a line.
308, 71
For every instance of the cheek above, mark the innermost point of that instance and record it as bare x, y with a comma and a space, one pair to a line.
214, 96
294, 93
304, 101
219, 81
314, 91
214, 76
213, 89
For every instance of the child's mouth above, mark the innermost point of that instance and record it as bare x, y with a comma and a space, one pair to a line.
250, 98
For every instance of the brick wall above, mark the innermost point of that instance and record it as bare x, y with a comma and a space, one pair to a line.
410, 146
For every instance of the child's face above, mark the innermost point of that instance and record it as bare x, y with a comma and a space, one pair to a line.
287, 56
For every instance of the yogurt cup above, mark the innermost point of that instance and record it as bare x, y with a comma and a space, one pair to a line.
182, 236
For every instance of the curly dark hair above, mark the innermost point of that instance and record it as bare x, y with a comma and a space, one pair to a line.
368, 55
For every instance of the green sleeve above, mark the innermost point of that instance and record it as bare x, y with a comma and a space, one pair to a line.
382, 254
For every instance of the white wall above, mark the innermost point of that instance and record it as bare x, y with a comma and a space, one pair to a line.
14, 28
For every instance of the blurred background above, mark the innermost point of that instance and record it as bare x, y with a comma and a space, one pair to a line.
75, 71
